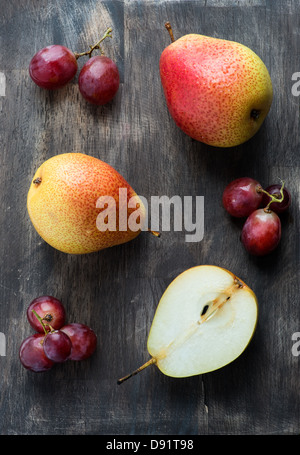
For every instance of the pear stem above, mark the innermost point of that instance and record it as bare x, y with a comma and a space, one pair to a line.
169, 28
150, 362
155, 233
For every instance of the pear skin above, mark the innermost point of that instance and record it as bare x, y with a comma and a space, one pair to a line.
218, 92
63, 208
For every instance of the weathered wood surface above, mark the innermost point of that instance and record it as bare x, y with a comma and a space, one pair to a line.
116, 291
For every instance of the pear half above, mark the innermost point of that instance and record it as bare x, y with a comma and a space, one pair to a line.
204, 320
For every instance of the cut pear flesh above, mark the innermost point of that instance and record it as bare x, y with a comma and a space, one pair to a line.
204, 320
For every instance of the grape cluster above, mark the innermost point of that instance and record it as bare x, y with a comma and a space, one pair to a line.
54, 66
245, 197
54, 341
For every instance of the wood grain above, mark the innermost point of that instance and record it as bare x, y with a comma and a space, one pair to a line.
116, 291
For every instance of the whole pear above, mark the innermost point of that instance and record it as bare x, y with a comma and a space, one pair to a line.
218, 92
68, 194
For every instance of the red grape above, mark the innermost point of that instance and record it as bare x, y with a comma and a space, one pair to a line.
57, 346
83, 338
99, 80
242, 196
51, 311
53, 66
277, 207
261, 232
32, 355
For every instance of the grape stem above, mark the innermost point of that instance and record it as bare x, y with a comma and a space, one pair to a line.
107, 34
273, 197
41, 321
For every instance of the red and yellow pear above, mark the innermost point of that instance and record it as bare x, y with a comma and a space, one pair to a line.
79, 204
218, 92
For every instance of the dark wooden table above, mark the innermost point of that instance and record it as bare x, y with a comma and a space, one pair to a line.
116, 291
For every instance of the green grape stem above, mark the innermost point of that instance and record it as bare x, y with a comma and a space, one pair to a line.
41, 321
107, 34
273, 197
